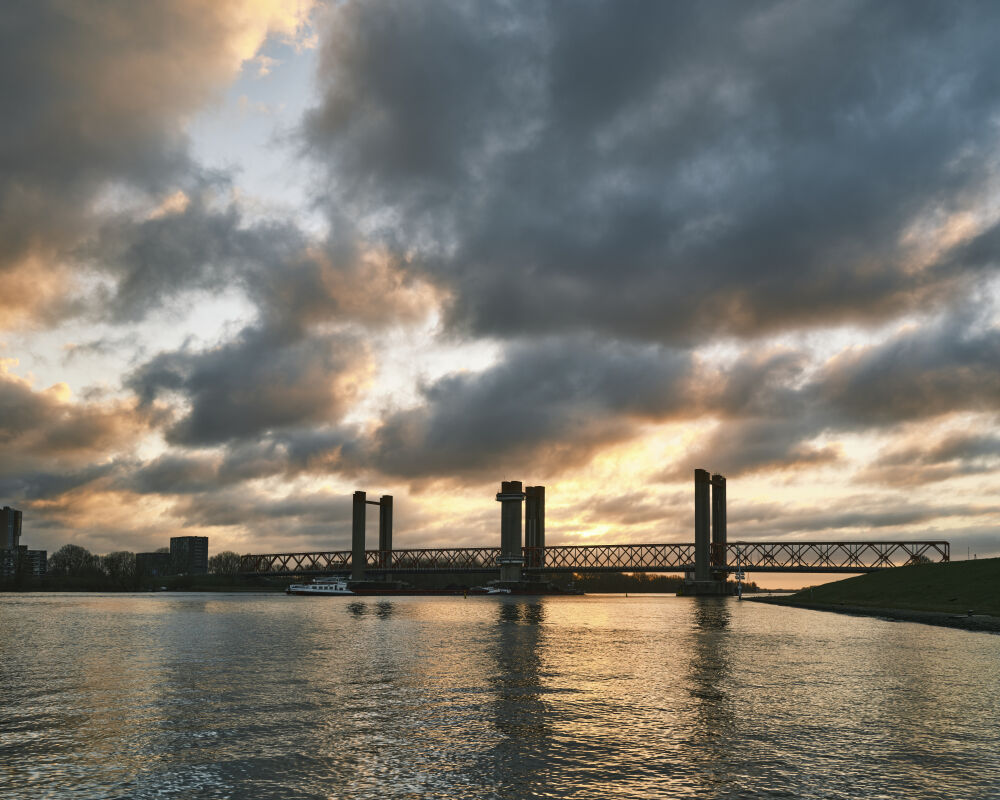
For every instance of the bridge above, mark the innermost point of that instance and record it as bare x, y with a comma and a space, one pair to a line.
706, 562
850, 557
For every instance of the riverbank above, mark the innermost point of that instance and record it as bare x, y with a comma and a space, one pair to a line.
958, 594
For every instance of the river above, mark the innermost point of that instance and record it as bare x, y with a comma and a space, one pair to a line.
266, 696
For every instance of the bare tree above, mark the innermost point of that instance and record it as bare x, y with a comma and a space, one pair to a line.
73, 560
225, 563
120, 568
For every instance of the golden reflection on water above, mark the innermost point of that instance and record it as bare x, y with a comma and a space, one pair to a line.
192, 696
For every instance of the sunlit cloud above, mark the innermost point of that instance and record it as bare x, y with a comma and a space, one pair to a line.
259, 254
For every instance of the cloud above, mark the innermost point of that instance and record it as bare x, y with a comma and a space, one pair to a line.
936, 369
611, 194
866, 518
590, 167
920, 459
54, 446
96, 102
550, 404
738, 447
258, 383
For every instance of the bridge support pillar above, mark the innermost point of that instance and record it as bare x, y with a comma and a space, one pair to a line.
705, 530
719, 526
385, 530
534, 525
510, 498
358, 537
702, 513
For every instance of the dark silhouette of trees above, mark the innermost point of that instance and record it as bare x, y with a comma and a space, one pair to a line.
73, 561
120, 569
225, 563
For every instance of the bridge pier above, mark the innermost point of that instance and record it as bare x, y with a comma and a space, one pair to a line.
385, 531
358, 537
719, 527
358, 521
709, 534
511, 559
534, 526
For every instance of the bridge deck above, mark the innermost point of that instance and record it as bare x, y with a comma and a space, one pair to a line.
751, 556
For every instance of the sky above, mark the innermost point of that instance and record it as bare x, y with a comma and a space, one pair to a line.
257, 254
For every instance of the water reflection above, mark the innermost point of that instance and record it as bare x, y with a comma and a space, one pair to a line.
518, 709
710, 684
407, 698
357, 608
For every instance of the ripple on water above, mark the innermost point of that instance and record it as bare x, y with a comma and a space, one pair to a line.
216, 696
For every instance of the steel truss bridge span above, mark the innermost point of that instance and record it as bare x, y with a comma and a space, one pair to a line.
750, 556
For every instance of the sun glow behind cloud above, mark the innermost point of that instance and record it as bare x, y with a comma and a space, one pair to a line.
275, 252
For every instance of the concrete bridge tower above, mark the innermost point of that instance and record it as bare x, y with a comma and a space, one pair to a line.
385, 530
534, 526
358, 520
709, 535
358, 537
719, 525
702, 514
510, 498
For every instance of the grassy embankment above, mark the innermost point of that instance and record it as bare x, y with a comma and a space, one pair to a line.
956, 587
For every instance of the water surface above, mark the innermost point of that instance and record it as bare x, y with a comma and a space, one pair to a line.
266, 696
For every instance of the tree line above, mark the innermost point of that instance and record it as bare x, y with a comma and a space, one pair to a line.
75, 566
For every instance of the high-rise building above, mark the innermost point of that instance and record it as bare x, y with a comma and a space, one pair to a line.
189, 554
10, 528
10, 561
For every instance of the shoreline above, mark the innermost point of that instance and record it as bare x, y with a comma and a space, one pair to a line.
981, 623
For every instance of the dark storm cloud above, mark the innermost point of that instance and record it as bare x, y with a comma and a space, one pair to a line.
550, 404
238, 508
739, 446
239, 462
295, 282
174, 474
771, 407
300, 522
638, 508
256, 383
54, 449
554, 403
766, 520
924, 373
916, 461
35, 426
33, 486
94, 101
658, 170
206, 245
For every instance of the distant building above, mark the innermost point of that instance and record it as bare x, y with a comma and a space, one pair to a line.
10, 528
155, 564
22, 561
13, 554
189, 554
35, 562
10, 561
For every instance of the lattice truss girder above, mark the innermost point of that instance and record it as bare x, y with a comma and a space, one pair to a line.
611, 556
625, 557
833, 555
